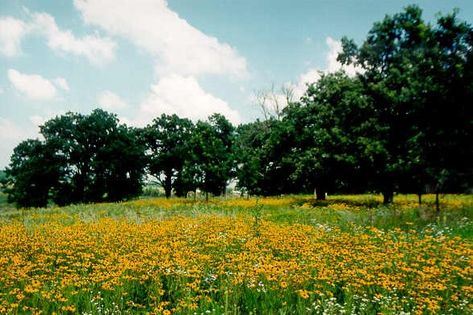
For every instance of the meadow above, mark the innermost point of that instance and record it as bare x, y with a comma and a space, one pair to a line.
287, 255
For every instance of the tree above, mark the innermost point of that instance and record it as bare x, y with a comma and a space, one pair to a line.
167, 141
336, 141
262, 147
120, 164
83, 158
412, 71
212, 163
3, 179
32, 172
250, 140
100, 159
448, 128
272, 102
251, 153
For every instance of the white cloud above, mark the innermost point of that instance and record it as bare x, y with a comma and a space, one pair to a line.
61, 83
98, 50
181, 53
32, 86
182, 95
311, 76
178, 47
11, 32
111, 101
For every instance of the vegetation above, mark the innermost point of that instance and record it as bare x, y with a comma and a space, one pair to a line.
291, 255
81, 159
168, 143
412, 73
403, 124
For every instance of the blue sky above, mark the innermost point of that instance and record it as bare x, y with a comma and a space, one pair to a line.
142, 58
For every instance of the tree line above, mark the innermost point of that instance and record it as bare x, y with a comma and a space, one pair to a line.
403, 124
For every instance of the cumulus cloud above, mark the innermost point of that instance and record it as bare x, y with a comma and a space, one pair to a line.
98, 50
11, 32
178, 47
33, 86
182, 95
311, 76
110, 101
181, 52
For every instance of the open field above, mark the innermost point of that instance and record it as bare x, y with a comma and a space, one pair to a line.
289, 255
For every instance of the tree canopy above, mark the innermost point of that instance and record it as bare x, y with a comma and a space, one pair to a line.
83, 158
419, 78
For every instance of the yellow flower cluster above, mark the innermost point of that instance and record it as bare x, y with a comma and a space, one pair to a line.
180, 264
160, 202
220, 202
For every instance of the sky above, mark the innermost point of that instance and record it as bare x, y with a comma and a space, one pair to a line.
141, 58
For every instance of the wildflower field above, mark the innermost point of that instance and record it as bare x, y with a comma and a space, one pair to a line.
289, 255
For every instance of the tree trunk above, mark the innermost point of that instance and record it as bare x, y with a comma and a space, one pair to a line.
80, 189
206, 196
320, 193
168, 184
419, 195
388, 197
437, 202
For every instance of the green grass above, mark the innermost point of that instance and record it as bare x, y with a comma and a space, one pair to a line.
344, 212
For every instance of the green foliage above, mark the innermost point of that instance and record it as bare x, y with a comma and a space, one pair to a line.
211, 165
336, 142
32, 173
167, 141
260, 148
3, 177
419, 78
82, 159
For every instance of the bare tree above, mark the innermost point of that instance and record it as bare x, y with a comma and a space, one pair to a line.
272, 102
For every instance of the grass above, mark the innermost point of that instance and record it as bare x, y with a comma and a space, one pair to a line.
3, 200
289, 255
